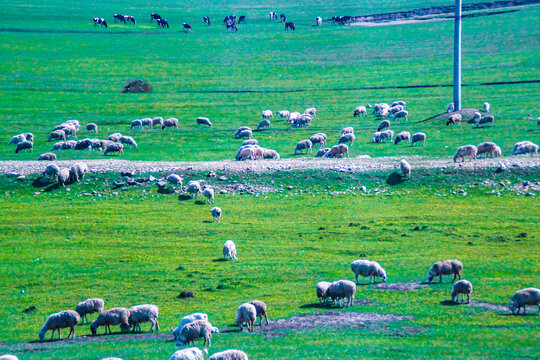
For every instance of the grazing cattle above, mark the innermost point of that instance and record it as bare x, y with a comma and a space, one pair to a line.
187, 27
163, 23
231, 19
119, 17
207, 20
154, 17
272, 15
341, 20
318, 21
282, 17
232, 27
242, 19
100, 21
129, 18
289, 26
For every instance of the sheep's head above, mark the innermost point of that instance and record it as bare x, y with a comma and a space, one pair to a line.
41, 333
513, 306
215, 330
93, 327
383, 275
431, 274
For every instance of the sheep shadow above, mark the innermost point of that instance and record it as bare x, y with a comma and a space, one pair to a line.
395, 179
451, 303
220, 260
183, 197
165, 191
318, 305
41, 182
199, 202
230, 330
207, 221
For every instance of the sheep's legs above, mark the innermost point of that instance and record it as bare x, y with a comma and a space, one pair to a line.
454, 279
440, 279
468, 299
266, 317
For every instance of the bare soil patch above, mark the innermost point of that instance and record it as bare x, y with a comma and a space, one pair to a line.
401, 286
501, 309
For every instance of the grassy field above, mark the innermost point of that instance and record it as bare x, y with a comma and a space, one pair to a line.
56, 66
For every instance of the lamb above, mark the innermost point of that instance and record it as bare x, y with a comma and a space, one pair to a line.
63, 176
401, 114
246, 314
90, 306
405, 168
143, 313
192, 353
157, 121
337, 151
216, 213
270, 154
284, 113
204, 121
208, 193
386, 134
368, 268
91, 127
524, 147
523, 297
467, 150
114, 148
250, 142
195, 330
360, 111
403, 136
57, 135
462, 287
260, 307
322, 152
321, 288
303, 145
186, 320
385, 124
347, 138
170, 123
488, 148
450, 107
485, 120
17, 139
263, 124
454, 119
47, 157
136, 124
24, 145
114, 137
175, 179
194, 187
128, 140
446, 267
229, 250
267, 114
486, 107
60, 320
231, 354
341, 289
419, 137
114, 316
51, 171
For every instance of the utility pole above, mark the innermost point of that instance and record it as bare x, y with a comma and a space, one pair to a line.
457, 57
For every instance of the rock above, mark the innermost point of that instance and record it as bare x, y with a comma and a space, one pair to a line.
21, 178
416, 228
161, 184
530, 194
114, 193
13, 174
502, 184
501, 168
185, 295
526, 183
118, 184
151, 179
223, 191
129, 173
223, 178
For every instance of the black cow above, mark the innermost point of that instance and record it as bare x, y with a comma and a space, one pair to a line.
154, 17
242, 19
283, 17
207, 20
129, 18
187, 27
162, 22
289, 26
100, 21
232, 27
119, 17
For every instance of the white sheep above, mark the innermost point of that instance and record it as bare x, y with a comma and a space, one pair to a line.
454, 119
462, 287
84, 144
157, 121
418, 137
216, 213
398, 102
192, 353
376, 137
250, 142
403, 136
386, 135
128, 140
347, 130
284, 113
488, 148
143, 313
450, 107
186, 320
69, 145
75, 123
69, 129
466, 150
523, 297
170, 123
136, 124
311, 112
246, 314
114, 148
194, 187
303, 145
17, 139
60, 320
24, 145
47, 157
341, 289
63, 176
368, 268
208, 193
77, 171
347, 138
8, 357
486, 107
175, 179
263, 124
322, 152
270, 154
337, 151
476, 116
267, 114
293, 116
115, 137
446, 267
231, 354
90, 306
395, 109
405, 168
261, 308
244, 134
57, 146
195, 330
489, 119
114, 316
385, 124
147, 122
91, 127
401, 114
320, 290
524, 147
318, 21
360, 111
229, 250
246, 153
51, 171
203, 121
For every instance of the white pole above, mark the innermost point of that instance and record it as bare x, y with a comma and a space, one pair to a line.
457, 57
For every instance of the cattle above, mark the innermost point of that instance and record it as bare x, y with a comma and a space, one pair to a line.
289, 26
272, 15
242, 19
163, 23
187, 27
283, 18
154, 17
100, 21
207, 20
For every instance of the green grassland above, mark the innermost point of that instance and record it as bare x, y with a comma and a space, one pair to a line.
56, 66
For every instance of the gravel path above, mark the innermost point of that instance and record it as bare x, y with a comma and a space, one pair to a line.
360, 164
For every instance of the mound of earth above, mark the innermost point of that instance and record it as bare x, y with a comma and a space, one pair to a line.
137, 86
401, 286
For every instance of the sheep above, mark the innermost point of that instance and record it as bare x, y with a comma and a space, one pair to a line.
83, 144
57, 146
51, 171
311, 112
63, 177
192, 353
143, 313
57, 135
284, 113
303, 145
322, 152
17, 139
170, 123
347, 138
128, 140
395, 109
267, 114
77, 172
244, 134
337, 151
293, 117
403, 136
462, 287
114, 137
446, 267
216, 213
8, 357
100, 144
476, 116
360, 111
245, 153
454, 119
47, 157
523, 297
186, 320
488, 148
250, 142
485, 120
69, 129
418, 137
231, 354
401, 114
341, 289
270, 154
194, 187
157, 121
91, 127
240, 129
450, 107
175, 179
195, 330
368, 268
486, 107
318, 21
147, 122
246, 314
319, 138
405, 168
136, 124
302, 120
386, 134
385, 124
398, 102
466, 150
320, 289
229, 250
60, 320
89, 306
208, 193
376, 137
204, 121
114, 148
524, 147
114, 316
69, 145
75, 123
260, 307
24, 145
263, 124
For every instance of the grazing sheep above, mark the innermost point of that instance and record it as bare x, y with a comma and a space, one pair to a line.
114, 137
321, 288
100, 144
216, 213
360, 111
347, 138
284, 113
246, 314
47, 157
136, 124
63, 176
75, 123
476, 116
462, 287
147, 122
195, 330
270, 154
293, 117
246, 153
114, 148
341, 289
17, 139
488, 148
267, 114
194, 187
250, 142
446, 267
467, 150
403, 136
29, 137
51, 171
450, 107
260, 307
170, 123
8, 357
83, 144
524, 147
385, 124
303, 145
157, 121
337, 151
143, 313
69, 129
523, 297
186, 320
57, 146
405, 168
398, 102
24, 145
386, 135
229, 250
57, 135
204, 121
192, 353
60, 320
318, 21
77, 172
244, 134
376, 137
322, 152
175, 179
368, 268
486, 107
401, 114
128, 140
69, 145
231, 354
395, 109
311, 112
419, 137
454, 119
485, 120
263, 124
240, 129
114, 316
302, 120
90, 306
208, 193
